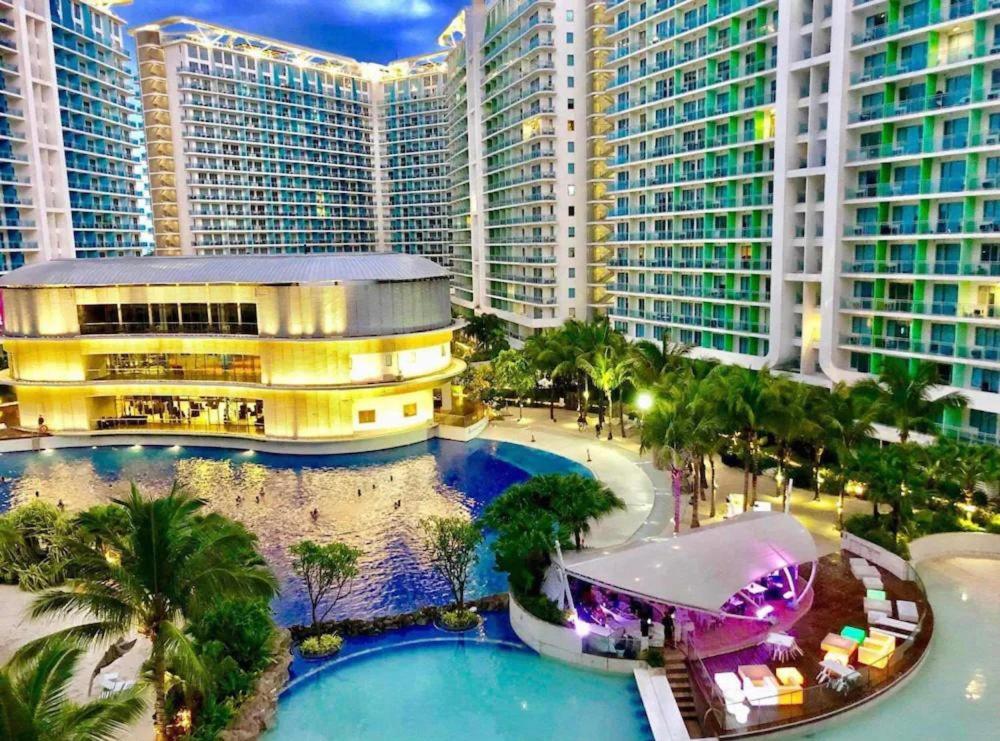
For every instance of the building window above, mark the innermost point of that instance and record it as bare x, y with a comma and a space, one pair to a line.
571, 81
569, 16
409, 410
571, 126
571, 103
571, 231
569, 37
571, 168
570, 60
571, 147
572, 293
387, 360
572, 272
366, 417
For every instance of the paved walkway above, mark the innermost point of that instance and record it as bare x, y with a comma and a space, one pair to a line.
646, 490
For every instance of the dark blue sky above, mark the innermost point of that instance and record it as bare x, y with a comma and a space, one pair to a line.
368, 30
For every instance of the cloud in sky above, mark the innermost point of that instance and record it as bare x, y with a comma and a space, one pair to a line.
368, 30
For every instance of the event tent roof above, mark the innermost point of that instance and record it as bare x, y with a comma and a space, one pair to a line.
701, 569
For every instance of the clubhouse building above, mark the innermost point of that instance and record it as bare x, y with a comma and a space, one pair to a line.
286, 348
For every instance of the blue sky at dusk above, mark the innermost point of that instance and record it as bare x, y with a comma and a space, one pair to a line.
368, 30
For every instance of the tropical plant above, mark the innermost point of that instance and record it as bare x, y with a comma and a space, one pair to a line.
171, 563
323, 645
906, 399
609, 370
453, 543
656, 361
512, 372
35, 704
34, 544
668, 431
745, 396
328, 572
551, 354
487, 333
787, 422
528, 517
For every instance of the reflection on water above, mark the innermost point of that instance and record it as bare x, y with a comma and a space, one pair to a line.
278, 493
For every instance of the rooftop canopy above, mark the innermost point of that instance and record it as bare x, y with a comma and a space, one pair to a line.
701, 569
244, 269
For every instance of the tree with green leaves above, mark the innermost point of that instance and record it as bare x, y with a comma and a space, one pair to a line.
906, 399
610, 369
668, 431
488, 333
745, 397
529, 516
35, 704
513, 372
787, 422
453, 543
327, 571
169, 563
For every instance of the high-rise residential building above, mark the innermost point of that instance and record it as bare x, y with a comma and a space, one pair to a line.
813, 186
140, 169
255, 146
65, 150
413, 164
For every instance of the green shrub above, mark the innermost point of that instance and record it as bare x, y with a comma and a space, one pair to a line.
876, 531
34, 540
323, 645
243, 627
542, 608
459, 619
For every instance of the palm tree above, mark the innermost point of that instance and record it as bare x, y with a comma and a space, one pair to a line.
169, 562
609, 370
706, 440
787, 422
668, 431
584, 341
654, 361
848, 418
552, 355
888, 475
745, 395
906, 400
34, 703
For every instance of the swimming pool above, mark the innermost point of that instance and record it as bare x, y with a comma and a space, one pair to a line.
956, 693
355, 494
450, 690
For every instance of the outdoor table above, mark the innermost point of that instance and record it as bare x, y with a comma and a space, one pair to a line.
840, 675
782, 646
757, 592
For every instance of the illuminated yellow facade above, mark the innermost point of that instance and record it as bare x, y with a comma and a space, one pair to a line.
313, 348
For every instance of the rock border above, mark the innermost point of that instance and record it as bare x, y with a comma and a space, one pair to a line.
256, 714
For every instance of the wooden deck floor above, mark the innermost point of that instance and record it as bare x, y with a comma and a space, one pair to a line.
838, 601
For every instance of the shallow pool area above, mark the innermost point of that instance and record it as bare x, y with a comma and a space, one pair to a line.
956, 693
472, 689
356, 496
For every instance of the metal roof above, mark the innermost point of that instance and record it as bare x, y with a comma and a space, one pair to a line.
245, 269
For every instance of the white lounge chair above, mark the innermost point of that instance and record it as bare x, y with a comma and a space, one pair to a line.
878, 605
898, 628
906, 610
872, 582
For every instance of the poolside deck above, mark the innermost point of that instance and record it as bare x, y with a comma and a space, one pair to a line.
837, 602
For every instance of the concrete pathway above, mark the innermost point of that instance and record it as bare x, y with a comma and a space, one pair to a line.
645, 489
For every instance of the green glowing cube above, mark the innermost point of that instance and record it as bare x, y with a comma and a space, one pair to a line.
876, 594
855, 634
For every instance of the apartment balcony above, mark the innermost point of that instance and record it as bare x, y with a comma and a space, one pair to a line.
938, 102
723, 106
524, 298
702, 83
680, 235
698, 19
510, 259
536, 280
688, 320
909, 345
699, 264
979, 52
693, 292
970, 228
683, 146
939, 268
932, 146
957, 10
919, 188
687, 206
956, 310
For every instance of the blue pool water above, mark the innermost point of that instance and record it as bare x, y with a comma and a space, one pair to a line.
438, 477
451, 690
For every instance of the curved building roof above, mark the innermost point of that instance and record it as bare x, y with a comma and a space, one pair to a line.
245, 269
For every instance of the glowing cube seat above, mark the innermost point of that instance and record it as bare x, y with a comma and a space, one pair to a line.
876, 649
855, 634
791, 681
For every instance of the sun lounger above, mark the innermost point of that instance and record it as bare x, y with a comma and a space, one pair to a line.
897, 627
872, 582
874, 616
880, 605
906, 610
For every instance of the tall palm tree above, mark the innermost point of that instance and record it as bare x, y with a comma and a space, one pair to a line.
35, 704
906, 399
745, 396
169, 562
787, 422
654, 361
705, 440
668, 430
609, 370
849, 416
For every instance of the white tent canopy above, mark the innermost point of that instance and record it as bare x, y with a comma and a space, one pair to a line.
701, 569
